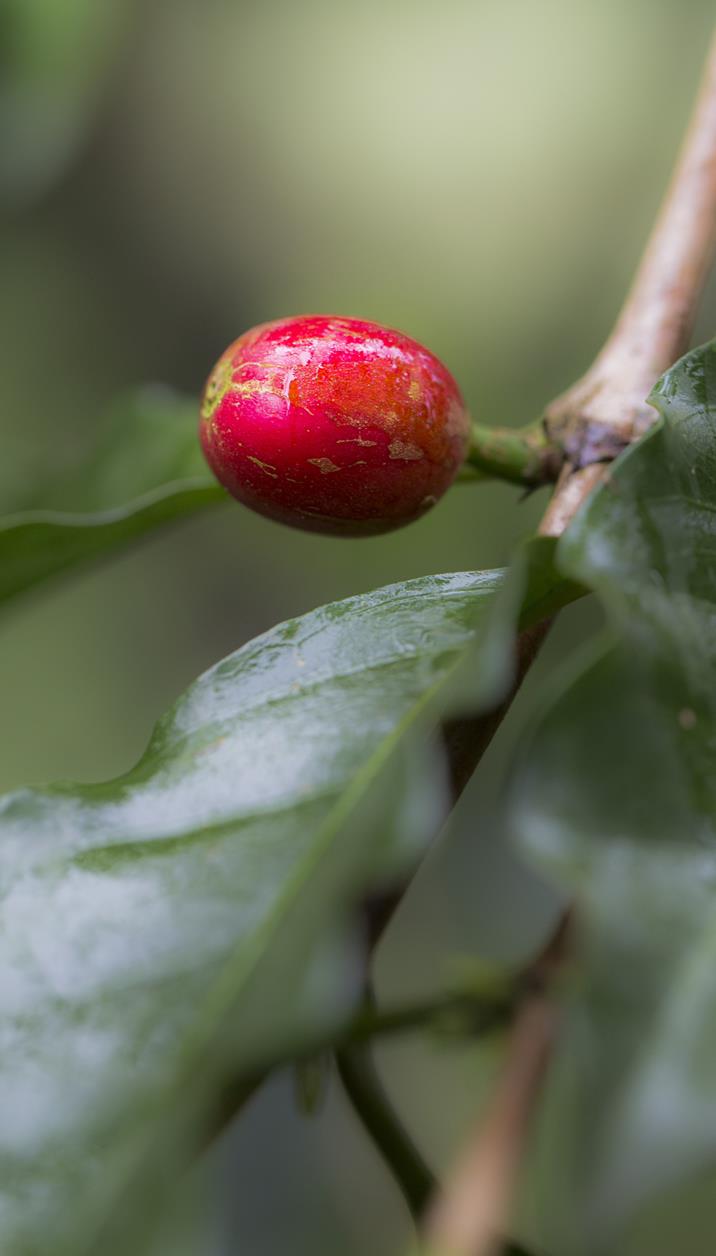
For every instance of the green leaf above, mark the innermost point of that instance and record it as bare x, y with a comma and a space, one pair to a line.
178, 929
148, 471
616, 799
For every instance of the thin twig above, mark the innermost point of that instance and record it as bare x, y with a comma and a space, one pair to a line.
458, 1011
468, 1216
364, 1088
371, 1104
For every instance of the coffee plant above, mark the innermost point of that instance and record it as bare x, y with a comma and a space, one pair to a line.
171, 938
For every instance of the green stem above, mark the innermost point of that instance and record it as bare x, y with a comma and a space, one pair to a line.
521, 455
366, 1093
466, 1012
372, 1106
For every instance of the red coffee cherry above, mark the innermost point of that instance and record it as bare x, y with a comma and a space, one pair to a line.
333, 424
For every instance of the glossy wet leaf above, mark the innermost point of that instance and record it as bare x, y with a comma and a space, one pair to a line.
185, 925
148, 471
617, 800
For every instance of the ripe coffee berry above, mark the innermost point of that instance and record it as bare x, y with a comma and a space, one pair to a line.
333, 424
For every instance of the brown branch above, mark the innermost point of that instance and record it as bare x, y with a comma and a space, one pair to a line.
601, 414
467, 1218
607, 408
573, 489
469, 1215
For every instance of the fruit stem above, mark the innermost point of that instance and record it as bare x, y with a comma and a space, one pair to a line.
520, 455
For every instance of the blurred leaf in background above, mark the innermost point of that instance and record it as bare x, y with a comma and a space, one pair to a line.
147, 471
55, 59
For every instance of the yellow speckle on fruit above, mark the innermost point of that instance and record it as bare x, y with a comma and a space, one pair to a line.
404, 449
252, 387
217, 386
325, 466
266, 467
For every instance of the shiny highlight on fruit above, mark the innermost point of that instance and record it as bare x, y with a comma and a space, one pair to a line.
333, 425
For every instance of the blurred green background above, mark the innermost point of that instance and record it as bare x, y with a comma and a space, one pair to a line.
479, 173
